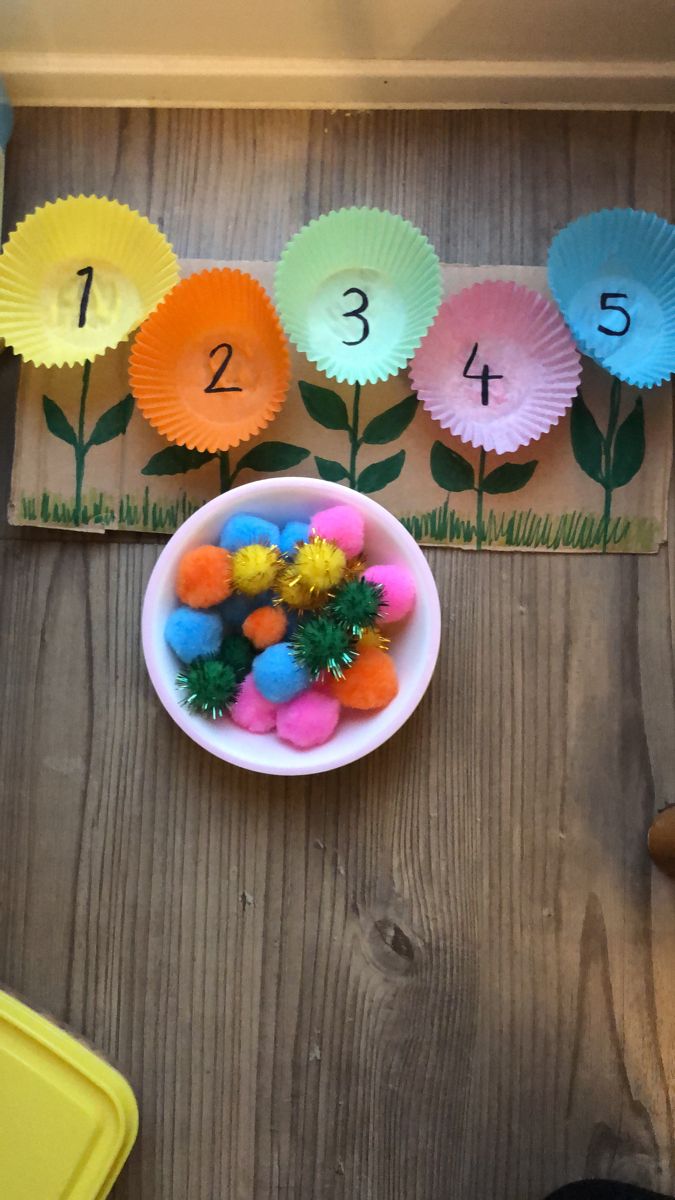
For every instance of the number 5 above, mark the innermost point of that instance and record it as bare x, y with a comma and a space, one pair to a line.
607, 307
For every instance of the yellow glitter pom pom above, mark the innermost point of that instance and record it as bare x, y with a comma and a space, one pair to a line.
255, 569
295, 594
319, 565
372, 637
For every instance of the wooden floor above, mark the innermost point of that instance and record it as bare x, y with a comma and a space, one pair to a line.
447, 971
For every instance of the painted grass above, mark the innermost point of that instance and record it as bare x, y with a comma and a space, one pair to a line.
129, 512
530, 530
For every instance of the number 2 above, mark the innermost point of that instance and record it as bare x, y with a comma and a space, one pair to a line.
607, 307
213, 385
484, 376
358, 313
86, 290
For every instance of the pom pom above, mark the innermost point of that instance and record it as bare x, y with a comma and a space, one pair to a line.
204, 576
356, 605
237, 652
244, 530
238, 607
277, 675
398, 591
372, 637
321, 645
309, 720
255, 568
342, 525
209, 687
370, 683
318, 565
251, 710
291, 535
297, 595
192, 634
265, 626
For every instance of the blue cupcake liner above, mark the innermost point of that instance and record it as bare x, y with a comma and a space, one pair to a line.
612, 273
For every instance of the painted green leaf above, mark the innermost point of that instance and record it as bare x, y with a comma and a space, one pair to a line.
389, 425
629, 447
378, 475
450, 471
331, 470
324, 406
586, 438
509, 477
57, 422
112, 423
176, 460
272, 456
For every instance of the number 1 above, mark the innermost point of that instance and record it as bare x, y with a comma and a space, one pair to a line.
84, 302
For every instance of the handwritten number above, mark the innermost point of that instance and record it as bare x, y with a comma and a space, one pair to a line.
84, 302
213, 385
484, 376
607, 307
358, 313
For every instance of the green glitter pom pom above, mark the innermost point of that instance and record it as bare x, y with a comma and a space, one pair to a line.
237, 652
209, 687
356, 605
321, 645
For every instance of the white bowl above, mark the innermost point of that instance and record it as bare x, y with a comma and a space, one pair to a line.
414, 643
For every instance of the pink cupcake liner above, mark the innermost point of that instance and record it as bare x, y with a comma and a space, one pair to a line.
521, 338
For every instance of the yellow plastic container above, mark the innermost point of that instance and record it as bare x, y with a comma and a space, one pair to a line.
67, 1119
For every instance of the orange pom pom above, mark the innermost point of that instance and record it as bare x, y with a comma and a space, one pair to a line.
265, 626
204, 576
371, 681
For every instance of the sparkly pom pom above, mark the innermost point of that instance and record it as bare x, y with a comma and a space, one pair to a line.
237, 652
372, 637
309, 720
265, 626
204, 576
356, 605
192, 634
244, 530
370, 683
342, 525
209, 687
255, 568
251, 710
321, 645
398, 591
318, 565
295, 594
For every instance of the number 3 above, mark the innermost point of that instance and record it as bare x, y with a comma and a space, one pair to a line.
358, 313
607, 307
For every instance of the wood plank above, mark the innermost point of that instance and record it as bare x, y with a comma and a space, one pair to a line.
446, 970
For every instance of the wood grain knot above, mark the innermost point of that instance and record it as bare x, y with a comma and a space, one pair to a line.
393, 936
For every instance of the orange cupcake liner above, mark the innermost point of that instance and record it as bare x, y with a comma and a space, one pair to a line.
210, 367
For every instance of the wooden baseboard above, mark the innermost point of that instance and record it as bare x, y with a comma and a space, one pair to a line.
213, 82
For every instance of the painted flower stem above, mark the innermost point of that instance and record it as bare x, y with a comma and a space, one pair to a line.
614, 408
80, 445
354, 443
224, 469
479, 500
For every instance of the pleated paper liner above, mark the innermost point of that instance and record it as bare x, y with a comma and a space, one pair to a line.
357, 290
210, 368
498, 367
77, 276
613, 275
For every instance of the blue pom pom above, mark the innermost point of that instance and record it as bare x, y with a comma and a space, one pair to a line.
277, 676
192, 633
245, 530
291, 534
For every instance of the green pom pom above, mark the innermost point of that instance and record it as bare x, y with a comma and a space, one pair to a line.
237, 652
321, 645
209, 687
356, 605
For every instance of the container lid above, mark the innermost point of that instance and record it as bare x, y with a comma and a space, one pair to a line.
67, 1119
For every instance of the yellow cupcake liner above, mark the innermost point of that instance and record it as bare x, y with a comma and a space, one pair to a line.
77, 276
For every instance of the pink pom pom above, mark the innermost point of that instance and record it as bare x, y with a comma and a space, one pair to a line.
251, 710
309, 719
398, 588
342, 525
